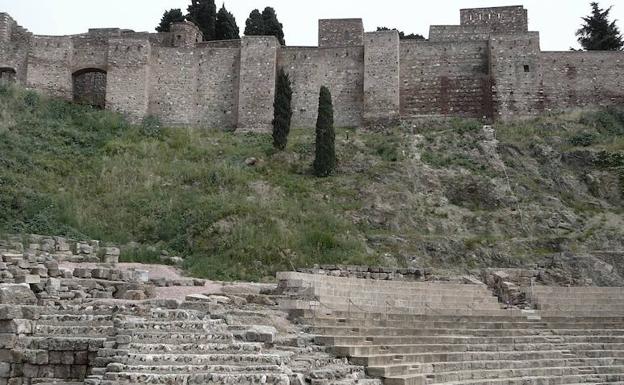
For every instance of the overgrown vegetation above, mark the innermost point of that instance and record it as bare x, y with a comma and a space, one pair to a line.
445, 194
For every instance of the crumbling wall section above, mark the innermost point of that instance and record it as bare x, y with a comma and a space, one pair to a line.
14, 45
341, 69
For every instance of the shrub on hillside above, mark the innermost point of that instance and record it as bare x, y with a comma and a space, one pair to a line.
325, 154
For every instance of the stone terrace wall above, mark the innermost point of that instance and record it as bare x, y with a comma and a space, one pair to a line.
341, 69
445, 78
572, 79
49, 65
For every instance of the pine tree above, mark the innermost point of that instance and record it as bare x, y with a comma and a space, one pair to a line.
325, 154
225, 26
171, 16
598, 33
204, 14
282, 110
272, 26
254, 26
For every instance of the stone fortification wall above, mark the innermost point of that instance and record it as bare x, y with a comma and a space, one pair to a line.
341, 69
341, 32
381, 77
459, 33
258, 66
445, 79
489, 66
128, 76
514, 69
499, 19
572, 79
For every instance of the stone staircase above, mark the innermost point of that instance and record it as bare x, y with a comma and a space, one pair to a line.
459, 337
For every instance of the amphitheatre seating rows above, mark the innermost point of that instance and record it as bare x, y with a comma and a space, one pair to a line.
583, 343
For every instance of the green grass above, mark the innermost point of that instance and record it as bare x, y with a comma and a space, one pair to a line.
74, 171
70, 170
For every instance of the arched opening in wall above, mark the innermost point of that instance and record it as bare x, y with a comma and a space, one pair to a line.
7, 75
90, 87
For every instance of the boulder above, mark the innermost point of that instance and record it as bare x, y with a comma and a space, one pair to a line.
261, 333
18, 294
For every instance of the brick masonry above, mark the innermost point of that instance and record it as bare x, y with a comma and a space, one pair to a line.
490, 66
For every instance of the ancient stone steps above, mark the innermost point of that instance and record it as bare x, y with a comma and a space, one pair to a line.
74, 330
125, 336
198, 378
527, 380
201, 359
466, 324
443, 367
511, 340
231, 347
189, 368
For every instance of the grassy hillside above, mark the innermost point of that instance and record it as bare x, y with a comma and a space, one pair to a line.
446, 195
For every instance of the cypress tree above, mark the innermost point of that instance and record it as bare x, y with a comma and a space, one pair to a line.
204, 14
225, 26
254, 26
598, 33
272, 26
171, 16
325, 154
282, 110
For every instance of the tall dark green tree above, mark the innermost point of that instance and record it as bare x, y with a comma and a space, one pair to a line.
282, 110
254, 26
204, 14
325, 154
272, 26
225, 26
171, 16
598, 32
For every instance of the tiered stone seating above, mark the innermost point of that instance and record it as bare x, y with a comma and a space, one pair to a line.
321, 292
471, 344
576, 301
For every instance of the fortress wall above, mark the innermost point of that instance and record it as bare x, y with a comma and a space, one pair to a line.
571, 79
257, 82
217, 88
515, 68
49, 65
173, 85
89, 52
445, 78
459, 33
500, 19
341, 32
14, 45
128, 77
381, 77
340, 69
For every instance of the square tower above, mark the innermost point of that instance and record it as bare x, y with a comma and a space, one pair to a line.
341, 32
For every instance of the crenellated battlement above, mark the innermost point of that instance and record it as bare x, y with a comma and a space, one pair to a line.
489, 66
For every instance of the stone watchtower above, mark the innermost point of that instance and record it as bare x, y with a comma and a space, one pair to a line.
185, 34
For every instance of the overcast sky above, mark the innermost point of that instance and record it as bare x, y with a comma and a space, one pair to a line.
557, 20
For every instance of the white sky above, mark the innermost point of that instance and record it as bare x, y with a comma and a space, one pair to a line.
557, 20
